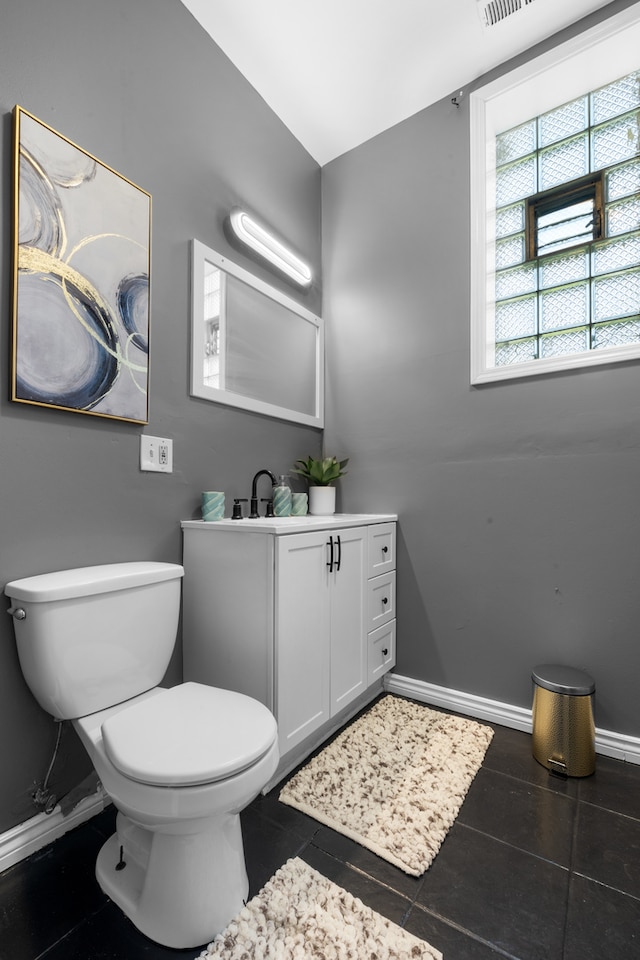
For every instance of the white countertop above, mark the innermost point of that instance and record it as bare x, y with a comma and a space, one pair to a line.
286, 525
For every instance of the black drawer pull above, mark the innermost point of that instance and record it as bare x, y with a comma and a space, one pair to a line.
385, 652
385, 549
384, 600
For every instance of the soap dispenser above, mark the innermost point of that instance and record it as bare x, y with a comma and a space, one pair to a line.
282, 497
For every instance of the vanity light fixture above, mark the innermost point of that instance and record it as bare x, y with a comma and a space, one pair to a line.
263, 243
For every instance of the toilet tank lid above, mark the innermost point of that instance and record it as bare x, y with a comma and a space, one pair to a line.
86, 581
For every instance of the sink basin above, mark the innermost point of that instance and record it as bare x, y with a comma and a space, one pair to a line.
295, 521
282, 525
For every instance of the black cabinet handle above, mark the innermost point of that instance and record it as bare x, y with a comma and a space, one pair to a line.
385, 652
335, 559
385, 549
385, 600
330, 564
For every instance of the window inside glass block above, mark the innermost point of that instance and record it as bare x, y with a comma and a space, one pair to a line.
567, 217
565, 227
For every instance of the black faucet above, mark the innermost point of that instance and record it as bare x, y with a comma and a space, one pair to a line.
253, 514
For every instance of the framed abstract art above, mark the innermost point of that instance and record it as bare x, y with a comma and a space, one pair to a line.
82, 247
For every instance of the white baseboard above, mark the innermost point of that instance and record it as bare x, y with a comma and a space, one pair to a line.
26, 838
608, 744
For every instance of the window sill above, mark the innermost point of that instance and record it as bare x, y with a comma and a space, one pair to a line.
480, 373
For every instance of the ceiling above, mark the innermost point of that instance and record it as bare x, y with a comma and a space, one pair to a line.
338, 72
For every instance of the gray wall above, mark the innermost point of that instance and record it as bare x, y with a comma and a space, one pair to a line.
518, 502
139, 85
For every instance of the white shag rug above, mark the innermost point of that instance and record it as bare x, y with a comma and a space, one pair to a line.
394, 780
300, 915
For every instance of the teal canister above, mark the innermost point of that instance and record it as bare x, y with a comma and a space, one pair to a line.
212, 505
299, 505
282, 497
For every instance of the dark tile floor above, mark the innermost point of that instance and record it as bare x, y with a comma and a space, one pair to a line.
534, 868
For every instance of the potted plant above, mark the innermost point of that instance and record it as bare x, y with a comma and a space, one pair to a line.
321, 476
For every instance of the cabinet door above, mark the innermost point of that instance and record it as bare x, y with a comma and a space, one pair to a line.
347, 580
302, 648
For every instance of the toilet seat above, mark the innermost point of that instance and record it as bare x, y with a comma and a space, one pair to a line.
188, 735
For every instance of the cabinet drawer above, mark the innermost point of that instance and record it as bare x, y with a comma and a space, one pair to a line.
381, 602
382, 650
381, 548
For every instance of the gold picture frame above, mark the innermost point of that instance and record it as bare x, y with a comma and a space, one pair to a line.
81, 291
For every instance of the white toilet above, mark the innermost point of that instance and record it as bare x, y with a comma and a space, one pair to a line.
179, 764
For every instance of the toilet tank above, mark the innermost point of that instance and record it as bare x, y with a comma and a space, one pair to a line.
93, 637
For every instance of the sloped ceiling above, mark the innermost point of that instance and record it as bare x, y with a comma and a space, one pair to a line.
338, 72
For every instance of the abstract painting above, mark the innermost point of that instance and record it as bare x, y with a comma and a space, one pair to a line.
82, 236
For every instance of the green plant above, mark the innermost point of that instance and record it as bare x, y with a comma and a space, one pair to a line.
321, 473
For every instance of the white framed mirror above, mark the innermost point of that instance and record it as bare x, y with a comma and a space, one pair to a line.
251, 345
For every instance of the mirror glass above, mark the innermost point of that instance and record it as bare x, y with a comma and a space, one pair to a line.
251, 345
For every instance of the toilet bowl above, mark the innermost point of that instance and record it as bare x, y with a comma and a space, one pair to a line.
176, 864
179, 763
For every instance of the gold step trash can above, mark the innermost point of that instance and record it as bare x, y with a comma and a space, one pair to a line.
563, 720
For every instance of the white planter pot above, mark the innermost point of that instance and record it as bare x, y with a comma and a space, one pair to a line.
322, 501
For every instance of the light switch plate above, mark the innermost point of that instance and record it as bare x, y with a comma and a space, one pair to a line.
156, 454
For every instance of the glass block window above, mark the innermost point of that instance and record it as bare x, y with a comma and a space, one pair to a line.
567, 228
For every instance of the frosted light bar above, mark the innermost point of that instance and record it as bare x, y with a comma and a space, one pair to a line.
264, 244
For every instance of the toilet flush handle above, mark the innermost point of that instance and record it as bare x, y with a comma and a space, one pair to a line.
17, 612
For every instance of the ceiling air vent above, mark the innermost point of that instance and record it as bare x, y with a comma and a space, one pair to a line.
493, 11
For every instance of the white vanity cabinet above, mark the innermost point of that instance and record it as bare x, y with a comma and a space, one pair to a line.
300, 615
